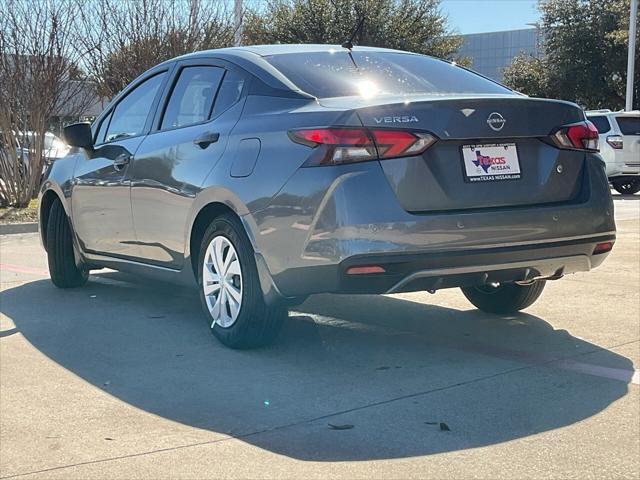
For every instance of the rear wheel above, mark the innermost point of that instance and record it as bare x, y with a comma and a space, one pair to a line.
627, 186
504, 297
62, 265
230, 290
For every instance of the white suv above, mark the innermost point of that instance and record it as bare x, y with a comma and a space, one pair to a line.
619, 147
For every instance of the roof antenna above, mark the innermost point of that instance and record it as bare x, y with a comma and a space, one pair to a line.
349, 43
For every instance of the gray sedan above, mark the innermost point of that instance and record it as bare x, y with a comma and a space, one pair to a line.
265, 174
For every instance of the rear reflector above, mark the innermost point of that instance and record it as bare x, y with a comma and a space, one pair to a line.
603, 247
349, 145
580, 136
365, 270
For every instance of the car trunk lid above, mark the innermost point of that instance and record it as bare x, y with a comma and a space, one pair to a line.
505, 134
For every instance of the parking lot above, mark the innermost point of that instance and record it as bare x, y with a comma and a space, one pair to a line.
121, 379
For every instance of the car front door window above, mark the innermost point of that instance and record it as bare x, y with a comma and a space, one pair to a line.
130, 115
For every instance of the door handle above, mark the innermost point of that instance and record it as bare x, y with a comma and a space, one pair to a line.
121, 161
206, 139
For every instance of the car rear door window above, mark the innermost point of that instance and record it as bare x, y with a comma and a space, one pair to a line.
629, 125
229, 92
131, 113
601, 122
192, 97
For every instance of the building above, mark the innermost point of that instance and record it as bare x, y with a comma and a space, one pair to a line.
81, 102
77, 100
491, 52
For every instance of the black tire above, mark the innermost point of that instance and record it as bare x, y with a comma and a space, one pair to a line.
62, 265
626, 187
505, 298
257, 323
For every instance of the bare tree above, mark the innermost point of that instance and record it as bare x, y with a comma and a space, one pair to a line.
38, 54
125, 38
45, 45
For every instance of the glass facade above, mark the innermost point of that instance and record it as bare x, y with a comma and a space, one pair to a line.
491, 52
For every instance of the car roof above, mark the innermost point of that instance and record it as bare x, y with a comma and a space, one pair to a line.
281, 49
631, 113
607, 112
252, 59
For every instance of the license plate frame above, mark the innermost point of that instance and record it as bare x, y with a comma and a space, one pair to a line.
490, 162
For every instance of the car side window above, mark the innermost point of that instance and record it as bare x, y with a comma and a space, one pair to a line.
601, 123
229, 92
130, 115
192, 96
102, 130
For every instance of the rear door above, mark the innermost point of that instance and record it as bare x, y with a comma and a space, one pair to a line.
629, 125
189, 136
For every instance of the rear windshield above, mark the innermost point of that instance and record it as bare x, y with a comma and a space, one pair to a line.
601, 123
629, 125
337, 74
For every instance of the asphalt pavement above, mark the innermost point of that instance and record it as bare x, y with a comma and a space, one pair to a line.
122, 379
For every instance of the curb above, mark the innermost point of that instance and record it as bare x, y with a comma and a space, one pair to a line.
13, 228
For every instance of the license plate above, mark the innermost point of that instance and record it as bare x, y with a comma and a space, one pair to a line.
491, 162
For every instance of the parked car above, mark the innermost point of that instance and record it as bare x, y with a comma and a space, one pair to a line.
265, 174
619, 136
20, 161
53, 147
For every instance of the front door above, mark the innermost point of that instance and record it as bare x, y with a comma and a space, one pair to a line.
101, 200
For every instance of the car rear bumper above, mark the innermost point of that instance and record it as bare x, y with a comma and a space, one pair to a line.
307, 242
447, 269
626, 172
455, 269
629, 167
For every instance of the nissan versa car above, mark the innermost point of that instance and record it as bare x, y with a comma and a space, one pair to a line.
265, 174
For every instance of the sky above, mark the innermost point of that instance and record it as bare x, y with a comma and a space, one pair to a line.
476, 16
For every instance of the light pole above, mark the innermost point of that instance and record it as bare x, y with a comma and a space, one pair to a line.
631, 54
237, 12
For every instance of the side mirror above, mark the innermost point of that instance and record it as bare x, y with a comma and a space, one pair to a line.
79, 135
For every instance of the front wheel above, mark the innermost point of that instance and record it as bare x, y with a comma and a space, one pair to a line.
504, 297
230, 290
62, 264
627, 187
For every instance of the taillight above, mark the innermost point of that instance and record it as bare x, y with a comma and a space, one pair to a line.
581, 136
615, 141
335, 146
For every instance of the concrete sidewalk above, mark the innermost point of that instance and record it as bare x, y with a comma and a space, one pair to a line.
121, 379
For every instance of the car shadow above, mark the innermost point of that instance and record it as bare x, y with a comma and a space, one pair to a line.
392, 368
